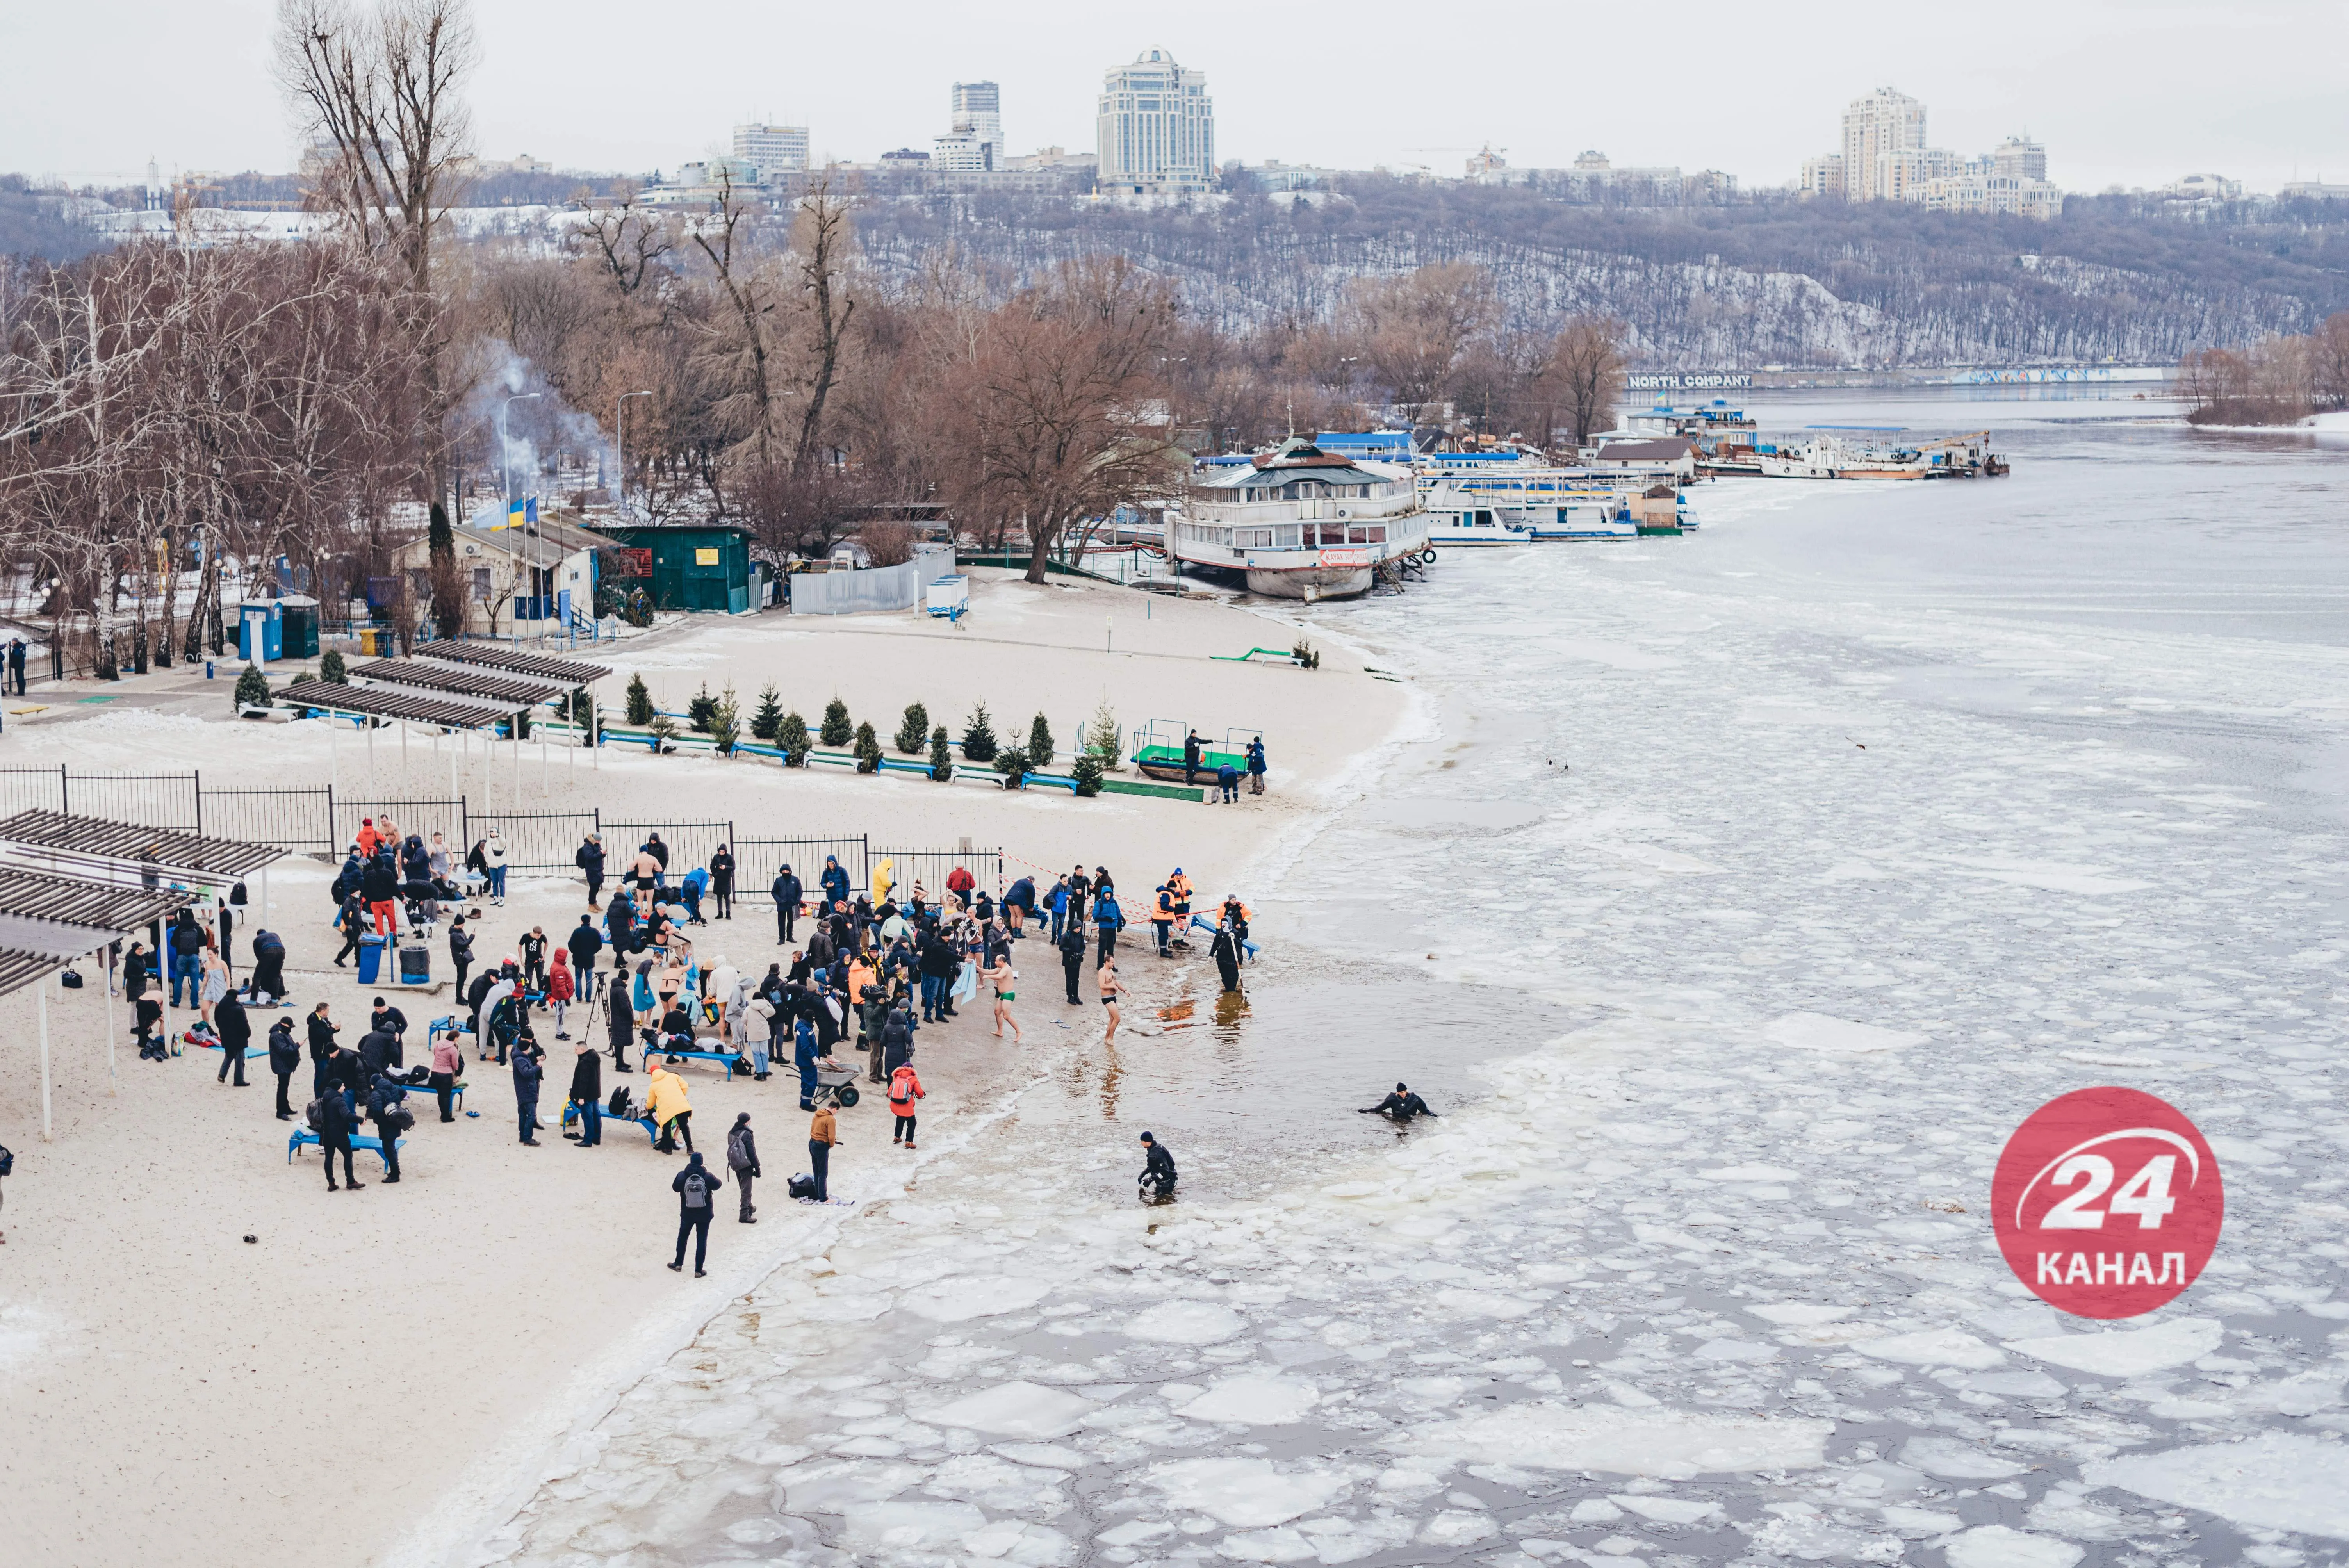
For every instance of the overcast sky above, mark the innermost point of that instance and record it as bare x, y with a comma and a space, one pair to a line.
2126, 94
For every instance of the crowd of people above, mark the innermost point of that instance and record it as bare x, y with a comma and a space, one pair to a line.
861, 975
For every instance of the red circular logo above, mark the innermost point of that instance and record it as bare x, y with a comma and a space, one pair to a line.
2107, 1202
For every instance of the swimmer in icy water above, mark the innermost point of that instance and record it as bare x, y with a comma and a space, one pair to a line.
1400, 1106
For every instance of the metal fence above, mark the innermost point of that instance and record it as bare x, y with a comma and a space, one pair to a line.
301, 820
423, 818
150, 800
931, 867
690, 844
540, 841
757, 862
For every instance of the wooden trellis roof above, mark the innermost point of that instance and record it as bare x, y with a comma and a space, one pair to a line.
18, 970
74, 902
489, 656
167, 848
473, 682
381, 702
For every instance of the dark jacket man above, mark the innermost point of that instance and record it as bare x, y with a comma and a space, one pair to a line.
235, 1033
378, 1052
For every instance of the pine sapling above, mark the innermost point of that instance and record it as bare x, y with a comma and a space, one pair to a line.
978, 737
837, 730
1039, 742
913, 733
941, 756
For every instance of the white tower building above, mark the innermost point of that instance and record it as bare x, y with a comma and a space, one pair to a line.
1156, 128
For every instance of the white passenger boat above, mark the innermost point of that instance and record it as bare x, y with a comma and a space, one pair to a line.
1301, 523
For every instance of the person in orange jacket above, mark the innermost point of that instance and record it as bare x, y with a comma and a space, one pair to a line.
904, 1091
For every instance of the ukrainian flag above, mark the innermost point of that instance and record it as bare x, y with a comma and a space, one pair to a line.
520, 511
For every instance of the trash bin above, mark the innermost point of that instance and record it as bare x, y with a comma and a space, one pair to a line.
370, 958
416, 965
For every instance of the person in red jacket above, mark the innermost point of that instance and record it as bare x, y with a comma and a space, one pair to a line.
904, 1092
959, 882
561, 987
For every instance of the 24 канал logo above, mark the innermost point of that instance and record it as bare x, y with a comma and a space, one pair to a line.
2107, 1202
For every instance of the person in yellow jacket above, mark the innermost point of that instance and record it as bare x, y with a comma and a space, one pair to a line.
672, 1112
885, 877
1180, 886
1161, 918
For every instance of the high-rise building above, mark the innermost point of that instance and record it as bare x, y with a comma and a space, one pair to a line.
1883, 123
772, 149
979, 110
2019, 158
1156, 128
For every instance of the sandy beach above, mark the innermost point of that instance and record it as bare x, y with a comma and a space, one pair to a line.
379, 1373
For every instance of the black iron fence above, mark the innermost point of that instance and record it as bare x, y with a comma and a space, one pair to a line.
689, 844
931, 867
301, 820
447, 817
150, 800
757, 862
541, 841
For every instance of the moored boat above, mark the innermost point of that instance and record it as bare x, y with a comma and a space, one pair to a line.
1298, 522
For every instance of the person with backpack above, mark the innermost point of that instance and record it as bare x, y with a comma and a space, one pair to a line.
185, 944
696, 1186
447, 1065
331, 1120
743, 1159
284, 1059
590, 862
905, 1092
391, 1119
235, 1033
528, 1070
587, 1093
823, 1137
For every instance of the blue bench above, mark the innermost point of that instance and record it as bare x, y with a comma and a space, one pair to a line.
303, 1138
652, 1127
727, 1059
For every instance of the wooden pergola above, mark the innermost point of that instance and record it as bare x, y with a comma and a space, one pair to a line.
73, 885
490, 656
460, 681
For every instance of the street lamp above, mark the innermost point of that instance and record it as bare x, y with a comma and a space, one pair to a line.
620, 442
504, 457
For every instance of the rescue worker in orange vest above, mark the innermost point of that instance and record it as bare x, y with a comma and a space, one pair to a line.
1162, 919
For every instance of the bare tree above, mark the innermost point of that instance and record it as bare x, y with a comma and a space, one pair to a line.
1586, 365
382, 92
628, 239
1053, 414
743, 348
1413, 329
822, 236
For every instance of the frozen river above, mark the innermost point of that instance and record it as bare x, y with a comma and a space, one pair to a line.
1734, 898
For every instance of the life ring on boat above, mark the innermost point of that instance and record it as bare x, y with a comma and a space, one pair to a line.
1427, 556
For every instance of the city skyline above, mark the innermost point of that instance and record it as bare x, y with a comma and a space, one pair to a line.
2131, 98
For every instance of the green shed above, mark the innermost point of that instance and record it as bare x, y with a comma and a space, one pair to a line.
687, 566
